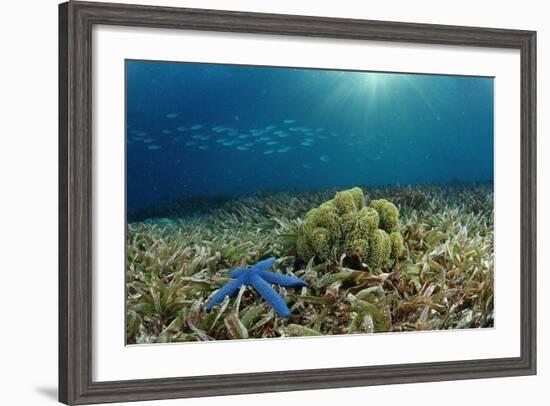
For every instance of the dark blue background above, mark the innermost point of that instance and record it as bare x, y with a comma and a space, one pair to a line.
388, 129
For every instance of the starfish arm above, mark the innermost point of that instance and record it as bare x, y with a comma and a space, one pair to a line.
283, 280
229, 289
270, 296
237, 272
264, 265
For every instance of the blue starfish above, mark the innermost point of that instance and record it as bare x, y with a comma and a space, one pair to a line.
259, 278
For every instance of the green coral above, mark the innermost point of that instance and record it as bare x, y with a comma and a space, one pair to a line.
320, 240
357, 248
396, 245
344, 203
379, 255
389, 215
358, 197
368, 221
346, 225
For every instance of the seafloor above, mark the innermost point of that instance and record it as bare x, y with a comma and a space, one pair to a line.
181, 252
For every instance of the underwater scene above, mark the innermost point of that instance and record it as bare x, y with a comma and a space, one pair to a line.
268, 202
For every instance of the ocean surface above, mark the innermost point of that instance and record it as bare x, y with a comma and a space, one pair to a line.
201, 130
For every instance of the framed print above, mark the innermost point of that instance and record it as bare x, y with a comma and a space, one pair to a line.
258, 202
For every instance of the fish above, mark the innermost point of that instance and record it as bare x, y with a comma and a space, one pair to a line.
289, 121
181, 128
154, 147
148, 140
272, 142
167, 132
243, 148
172, 115
196, 126
203, 147
268, 151
306, 144
324, 158
264, 138
190, 143
284, 149
306, 166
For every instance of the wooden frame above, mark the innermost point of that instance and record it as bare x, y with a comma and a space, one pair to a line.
76, 20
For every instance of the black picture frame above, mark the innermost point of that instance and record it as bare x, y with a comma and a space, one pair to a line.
76, 20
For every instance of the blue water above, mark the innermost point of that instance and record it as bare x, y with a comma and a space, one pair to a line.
210, 130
